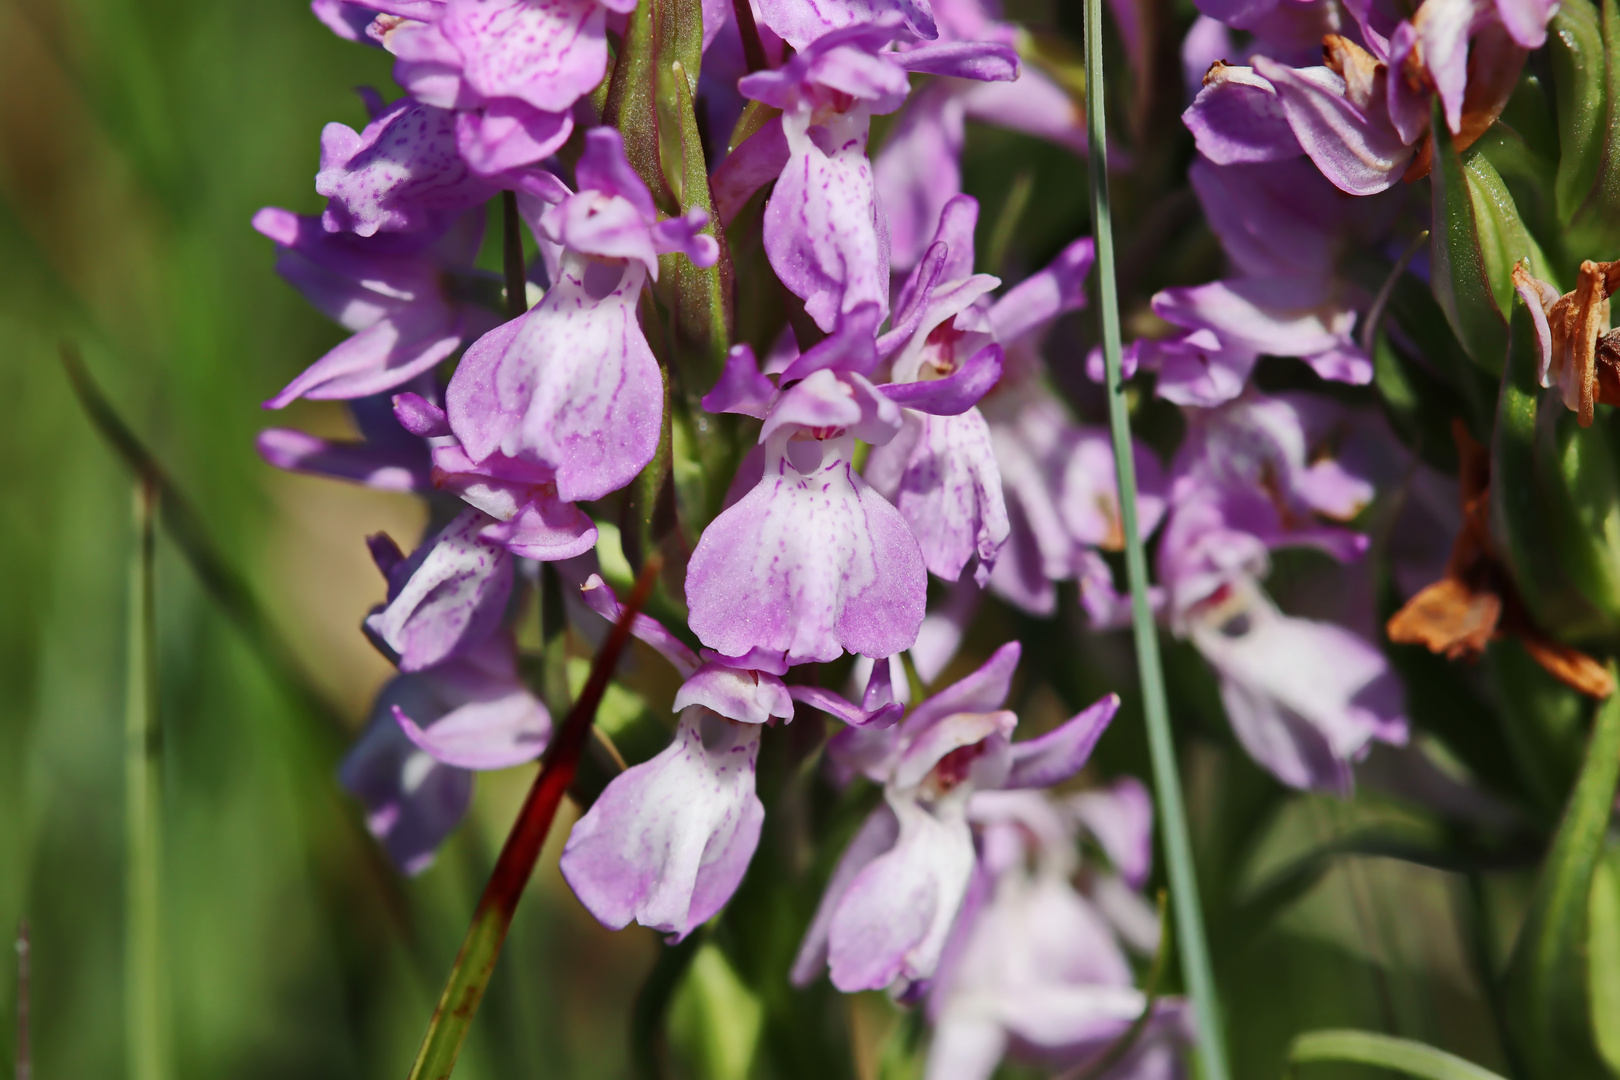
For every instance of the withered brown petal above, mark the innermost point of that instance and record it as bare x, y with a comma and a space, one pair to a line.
1569, 666
1448, 618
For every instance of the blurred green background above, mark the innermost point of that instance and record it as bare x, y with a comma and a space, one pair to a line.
137, 137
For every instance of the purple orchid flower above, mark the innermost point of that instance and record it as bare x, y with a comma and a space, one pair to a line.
825, 234
507, 72
918, 170
894, 896
800, 23
388, 289
668, 841
1305, 698
387, 457
572, 386
446, 598
1035, 967
1057, 478
410, 767
1361, 116
940, 470
827, 564
402, 174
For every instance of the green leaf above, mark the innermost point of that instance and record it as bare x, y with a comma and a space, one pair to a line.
715, 1020
1503, 239
1386, 1052
1594, 224
1461, 258
1604, 959
1579, 472
1549, 1001
1575, 44
1520, 509
1542, 720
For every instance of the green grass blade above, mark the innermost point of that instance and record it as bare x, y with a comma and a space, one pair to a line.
1195, 964
146, 1034
1385, 1052
475, 963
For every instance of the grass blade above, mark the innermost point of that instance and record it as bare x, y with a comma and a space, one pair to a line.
1195, 965
475, 963
25, 1058
1386, 1052
224, 585
146, 1034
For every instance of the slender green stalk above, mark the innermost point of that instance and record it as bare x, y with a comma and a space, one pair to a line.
146, 1042
25, 1057
223, 583
1195, 965
475, 963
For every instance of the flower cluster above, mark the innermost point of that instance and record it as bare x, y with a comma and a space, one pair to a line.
903, 426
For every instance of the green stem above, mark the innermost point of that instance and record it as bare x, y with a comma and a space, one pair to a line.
146, 1044
219, 579
475, 963
25, 1058
1195, 964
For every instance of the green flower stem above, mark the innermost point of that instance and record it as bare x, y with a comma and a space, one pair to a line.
1195, 965
475, 963
146, 1042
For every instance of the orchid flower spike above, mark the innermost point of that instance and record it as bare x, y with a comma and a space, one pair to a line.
572, 386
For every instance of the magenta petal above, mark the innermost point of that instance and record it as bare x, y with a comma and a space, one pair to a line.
741, 388
412, 802
1028, 307
598, 596
919, 170
1305, 698
941, 474
403, 173
669, 840
956, 393
877, 835
1121, 818
852, 346
495, 733
984, 61
883, 716
545, 529
420, 417
548, 54
800, 23
893, 920
982, 691
807, 564
453, 599
757, 162
508, 134
385, 468
571, 385
1054, 757
823, 232
748, 697
1238, 118
1361, 154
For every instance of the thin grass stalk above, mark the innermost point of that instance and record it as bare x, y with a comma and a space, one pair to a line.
1195, 965
475, 963
220, 579
25, 1056
146, 1033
